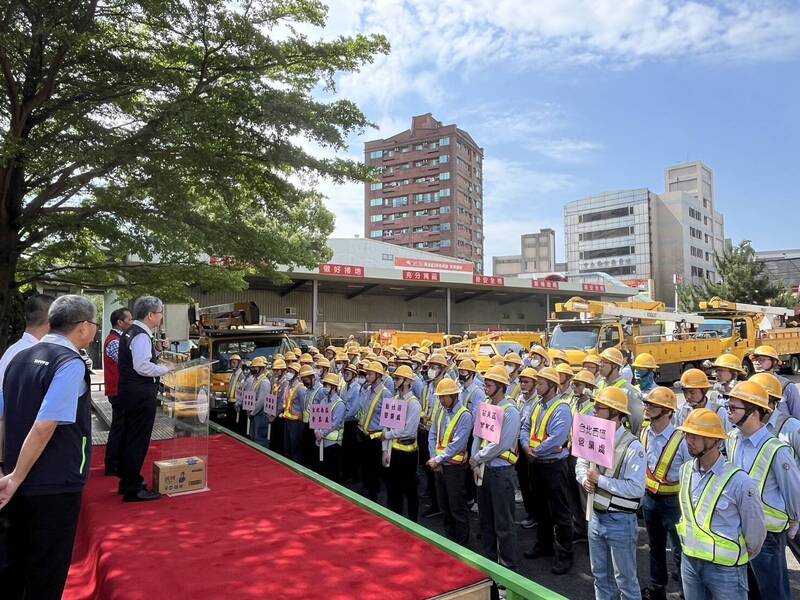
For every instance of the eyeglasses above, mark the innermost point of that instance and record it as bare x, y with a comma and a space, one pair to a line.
86, 321
732, 408
156, 312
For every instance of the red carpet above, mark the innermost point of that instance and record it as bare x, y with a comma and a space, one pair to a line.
261, 532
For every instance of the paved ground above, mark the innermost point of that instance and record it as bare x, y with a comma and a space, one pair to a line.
578, 584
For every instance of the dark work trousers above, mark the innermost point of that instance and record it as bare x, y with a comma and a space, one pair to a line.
138, 405
331, 465
40, 539
768, 572
523, 475
401, 483
258, 429
577, 499
452, 493
424, 457
293, 440
371, 457
469, 479
350, 452
276, 436
552, 510
310, 448
114, 438
661, 513
237, 420
496, 516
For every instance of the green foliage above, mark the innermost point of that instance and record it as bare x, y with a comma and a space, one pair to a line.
743, 279
142, 137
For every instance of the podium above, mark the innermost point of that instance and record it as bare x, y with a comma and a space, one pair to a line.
184, 397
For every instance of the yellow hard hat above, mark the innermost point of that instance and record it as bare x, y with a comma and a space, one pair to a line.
592, 358
425, 343
340, 357
614, 398
313, 350
353, 350
418, 357
558, 354
278, 363
297, 353
331, 378
306, 371
584, 376
528, 372
694, 379
305, 359
375, 367
363, 364
236, 357
402, 356
276, 357
496, 360
437, 359
497, 374
333, 349
467, 365
613, 355
294, 366
645, 361
405, 371
372, 356
323, 363
424, 350
768, 351
351, 367
539, 350
389, 348
663, 396
729, 361
513, 358
550, 374
565, 369
258, 361
770, 383
447, 387
705, 423
751, 392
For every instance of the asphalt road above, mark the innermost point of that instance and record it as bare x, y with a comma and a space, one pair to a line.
578, 583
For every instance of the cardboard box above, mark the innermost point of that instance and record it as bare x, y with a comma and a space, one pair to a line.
179, 475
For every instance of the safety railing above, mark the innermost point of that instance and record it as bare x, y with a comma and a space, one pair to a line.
517, 586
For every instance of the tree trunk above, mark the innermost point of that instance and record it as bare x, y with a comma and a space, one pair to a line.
9, 256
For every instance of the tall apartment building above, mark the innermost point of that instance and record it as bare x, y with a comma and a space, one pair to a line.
645, 238
537, 255
430, 193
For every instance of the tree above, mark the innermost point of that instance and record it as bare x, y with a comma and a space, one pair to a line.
743, 279
142, 137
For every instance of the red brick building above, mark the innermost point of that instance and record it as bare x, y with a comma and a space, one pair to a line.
430, 193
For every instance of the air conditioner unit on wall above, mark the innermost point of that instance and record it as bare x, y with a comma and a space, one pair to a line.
290, 311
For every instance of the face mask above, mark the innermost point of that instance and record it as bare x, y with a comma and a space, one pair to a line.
392, 368
510, 369
290, 376
433, 373
362, 380
536, 362
319, 372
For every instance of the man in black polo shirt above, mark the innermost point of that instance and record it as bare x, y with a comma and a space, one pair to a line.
47, 449
136, 395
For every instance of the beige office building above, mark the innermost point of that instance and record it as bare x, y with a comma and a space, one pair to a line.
537, 255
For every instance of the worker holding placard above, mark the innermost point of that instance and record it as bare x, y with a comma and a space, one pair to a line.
260, 389
526, 401
615, 489
494, 453
583, 385
447, 444
373, 395
330, 436
665, 450
544, 438
400, 421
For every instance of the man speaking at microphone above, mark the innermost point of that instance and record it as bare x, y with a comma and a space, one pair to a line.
139, 372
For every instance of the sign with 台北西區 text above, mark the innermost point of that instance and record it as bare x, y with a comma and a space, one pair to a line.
593, 439
393, 413
489, 423
271, 405
320, 417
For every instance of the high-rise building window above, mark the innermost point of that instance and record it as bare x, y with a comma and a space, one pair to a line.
376, 154
445, 141
445, 226
443, 193
376, 233
376, 186
444, 210
376, 201
376, 218
445, 175
444, 244
444, 158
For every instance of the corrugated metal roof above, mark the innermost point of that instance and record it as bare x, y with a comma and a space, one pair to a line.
374, 253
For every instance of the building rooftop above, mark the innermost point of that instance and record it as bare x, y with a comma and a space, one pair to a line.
374, 253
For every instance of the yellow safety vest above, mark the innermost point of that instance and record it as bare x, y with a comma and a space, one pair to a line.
539, 434
698, 540
605, 501
620, 383
233, 383
307, 402
509, 456
405, 446
288, 402
426, 392
656, 481
443, 441
335, 435
777, 520
515, 392
366, 418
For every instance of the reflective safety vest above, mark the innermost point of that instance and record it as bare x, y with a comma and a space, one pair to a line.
776, 519
511, 455
307, 404
335, 435
366, 418
620, 383
426, 395
515, 392
539, 434
656, 481
698, 540
288, 403
405, 445
605, 501
585, 410
233, 384
443, 441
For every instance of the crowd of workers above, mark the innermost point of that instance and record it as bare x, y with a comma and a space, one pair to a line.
717, 478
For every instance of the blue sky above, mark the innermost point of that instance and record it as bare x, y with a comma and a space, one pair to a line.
591, 95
